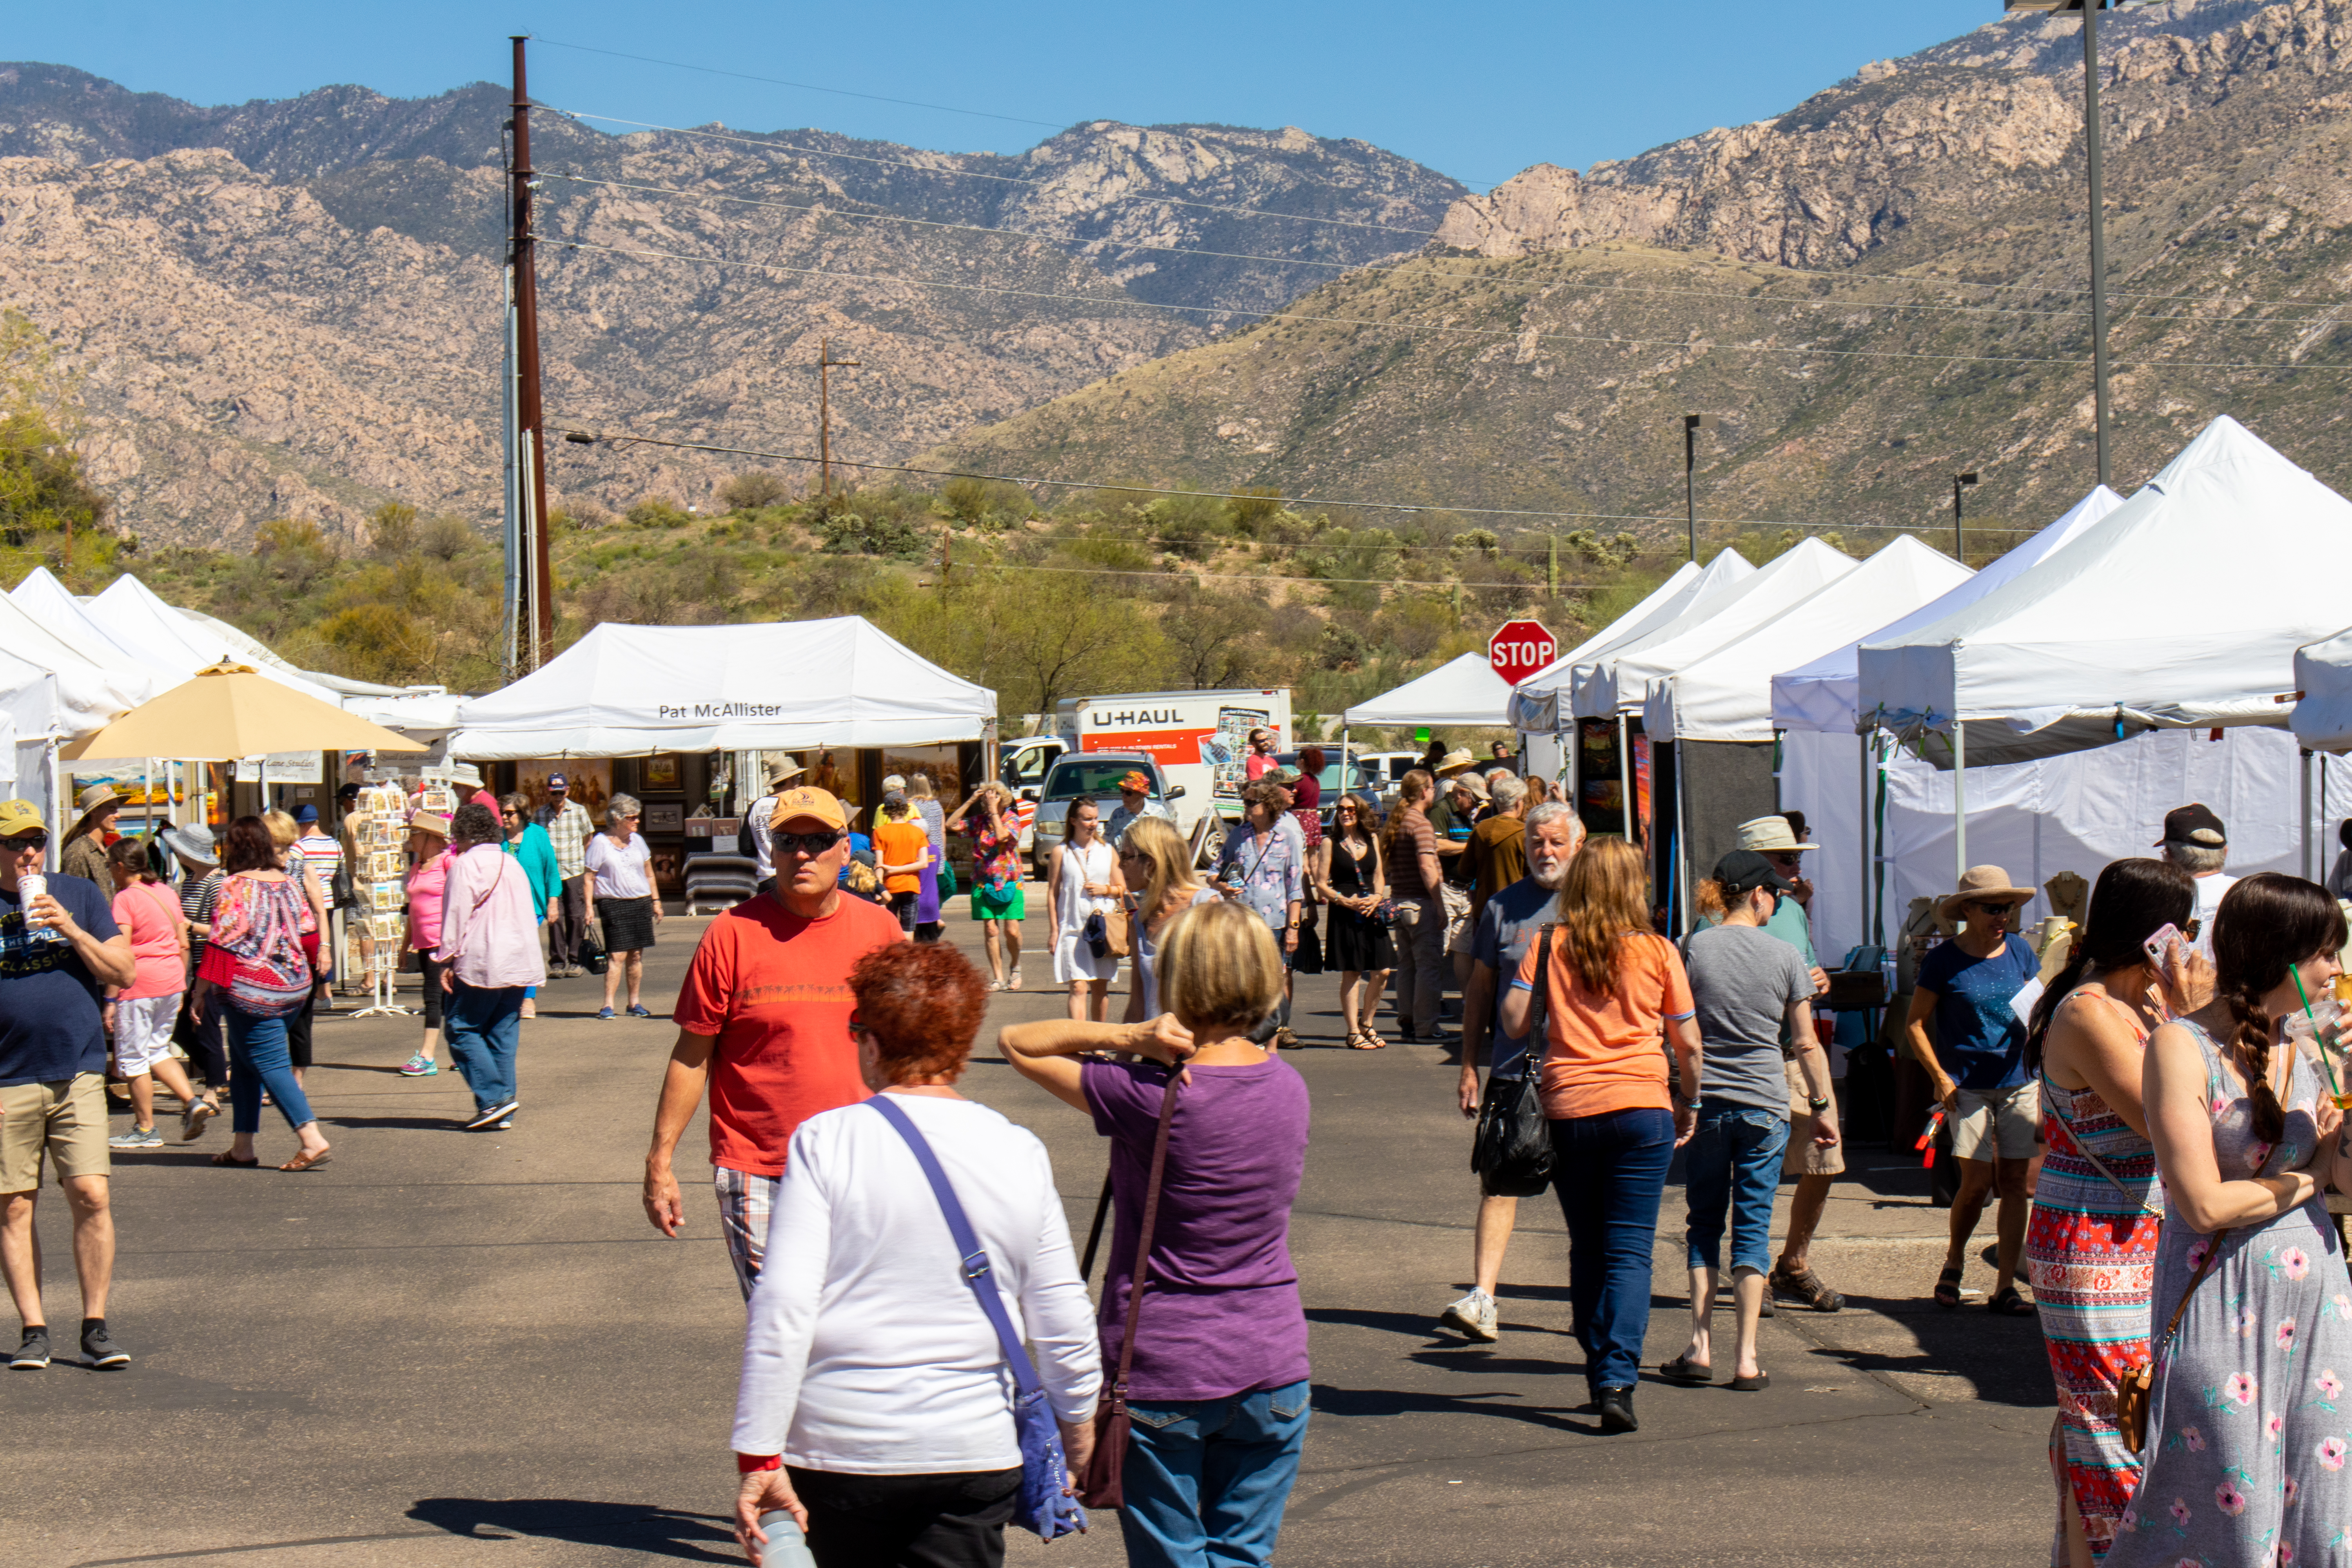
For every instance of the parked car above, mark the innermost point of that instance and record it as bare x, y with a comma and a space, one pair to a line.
1079, 776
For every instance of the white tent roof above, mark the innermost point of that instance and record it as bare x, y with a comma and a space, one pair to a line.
628, 691
1823, 695
95, 681
1538, 702
2182, 608
1465, 691
132, 613
49, 601
1728, 695
1620, 679
256, 653
2322, 716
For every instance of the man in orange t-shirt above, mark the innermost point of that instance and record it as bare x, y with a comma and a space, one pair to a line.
763, 1021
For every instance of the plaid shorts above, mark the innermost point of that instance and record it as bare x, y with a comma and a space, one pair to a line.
745, 1201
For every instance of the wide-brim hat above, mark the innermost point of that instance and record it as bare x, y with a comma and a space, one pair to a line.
1984, 885
193, 843
1454, 761
431, 822
1472, 781
782, 774
97, 797
1770, 834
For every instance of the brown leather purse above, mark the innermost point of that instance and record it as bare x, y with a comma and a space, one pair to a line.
2136, 1390
1101, 1486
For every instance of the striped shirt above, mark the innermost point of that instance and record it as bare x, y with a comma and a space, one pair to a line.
324, 857
197, 897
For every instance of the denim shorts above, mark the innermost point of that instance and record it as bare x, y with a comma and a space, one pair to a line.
1733, 1164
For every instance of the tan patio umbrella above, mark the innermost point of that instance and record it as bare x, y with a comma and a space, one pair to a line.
229, 711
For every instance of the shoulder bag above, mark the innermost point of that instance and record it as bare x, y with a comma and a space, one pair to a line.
2136, 1390
1044, 1506
1511, 1151
1101, 1486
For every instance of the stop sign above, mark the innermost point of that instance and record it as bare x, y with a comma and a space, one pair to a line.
1520, 648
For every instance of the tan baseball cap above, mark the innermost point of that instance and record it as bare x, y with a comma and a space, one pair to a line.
811, 805
19, 816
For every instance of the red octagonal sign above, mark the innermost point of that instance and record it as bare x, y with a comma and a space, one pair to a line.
1520, 649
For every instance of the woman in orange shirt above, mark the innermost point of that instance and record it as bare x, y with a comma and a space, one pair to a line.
1615, 996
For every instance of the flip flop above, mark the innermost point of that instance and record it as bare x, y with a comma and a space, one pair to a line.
1761, 1381
1687, 1372
307, 1162
1947, 1289
226, 1158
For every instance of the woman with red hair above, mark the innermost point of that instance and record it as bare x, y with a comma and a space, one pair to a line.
872, 1405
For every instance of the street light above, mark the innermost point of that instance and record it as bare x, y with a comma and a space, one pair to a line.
2090, 10
1960, 547
1691, 425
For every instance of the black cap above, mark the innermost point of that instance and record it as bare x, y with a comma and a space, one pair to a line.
2194, 825
349, 792
1743, 871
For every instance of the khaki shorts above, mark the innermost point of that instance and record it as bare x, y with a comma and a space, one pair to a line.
1997, 1122
1460, 929
1804, 1157
65, 1120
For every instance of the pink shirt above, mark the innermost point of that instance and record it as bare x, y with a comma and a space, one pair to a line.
489, 930
426, 882
150, 913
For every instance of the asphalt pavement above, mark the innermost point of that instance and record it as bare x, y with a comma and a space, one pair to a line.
461, 1349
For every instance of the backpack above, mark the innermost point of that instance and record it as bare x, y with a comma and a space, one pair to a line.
260, 925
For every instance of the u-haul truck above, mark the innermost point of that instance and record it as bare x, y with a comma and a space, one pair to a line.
1201, 740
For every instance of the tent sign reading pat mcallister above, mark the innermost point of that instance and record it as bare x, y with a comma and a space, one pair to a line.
722, 711
1520, 648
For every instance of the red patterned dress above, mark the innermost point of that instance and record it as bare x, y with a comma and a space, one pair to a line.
2090, 1256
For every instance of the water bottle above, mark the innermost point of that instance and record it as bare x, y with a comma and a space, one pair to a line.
787, 1547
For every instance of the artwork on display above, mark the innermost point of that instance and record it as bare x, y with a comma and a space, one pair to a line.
587, 781
665, 816
661, 771
937, 763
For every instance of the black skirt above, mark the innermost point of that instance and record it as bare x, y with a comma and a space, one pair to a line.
628, 924
1358, 942
1307, 959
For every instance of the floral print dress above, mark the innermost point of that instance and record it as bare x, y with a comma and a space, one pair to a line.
2251, 1426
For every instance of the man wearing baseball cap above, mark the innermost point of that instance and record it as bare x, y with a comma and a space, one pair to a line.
780, 779
568, 827
763, 1021
2195, 840
1134, 804
59, 947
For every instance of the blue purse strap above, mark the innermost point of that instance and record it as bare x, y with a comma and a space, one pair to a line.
976, 1265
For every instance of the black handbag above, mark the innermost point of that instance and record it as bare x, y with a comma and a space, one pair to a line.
1511, 1151
593, 957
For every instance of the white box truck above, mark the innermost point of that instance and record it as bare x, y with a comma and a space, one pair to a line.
1201, 740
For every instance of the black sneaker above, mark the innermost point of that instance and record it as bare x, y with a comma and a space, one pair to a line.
34, 1353
100, 1350
492, 1117
1617, 1411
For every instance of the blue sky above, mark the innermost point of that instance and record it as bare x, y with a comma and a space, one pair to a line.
1477, 91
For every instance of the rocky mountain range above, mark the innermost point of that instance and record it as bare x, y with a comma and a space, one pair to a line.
1874, 291
293, 308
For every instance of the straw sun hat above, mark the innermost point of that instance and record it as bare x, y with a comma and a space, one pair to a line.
1983, 885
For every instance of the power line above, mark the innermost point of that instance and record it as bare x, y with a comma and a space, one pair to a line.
803, 86
1413, 326
591, 438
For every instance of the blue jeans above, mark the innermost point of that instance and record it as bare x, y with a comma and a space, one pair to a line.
1733, 1161
1611, 1173
258, 1060
1206, 1480
483, 1024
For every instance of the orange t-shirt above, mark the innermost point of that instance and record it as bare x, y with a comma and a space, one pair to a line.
1606, 1053
902, 843
774, 990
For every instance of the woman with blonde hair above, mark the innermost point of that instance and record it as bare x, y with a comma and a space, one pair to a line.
1354, 880
1157, 865
1214, 1444
1605, 988
999, 902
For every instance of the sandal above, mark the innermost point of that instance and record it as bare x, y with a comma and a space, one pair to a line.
2007, 1303
306, 1161
226, 1158
1365, 1040
1687, 1372
1947, 1289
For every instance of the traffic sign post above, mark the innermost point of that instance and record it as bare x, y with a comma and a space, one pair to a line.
1520, 648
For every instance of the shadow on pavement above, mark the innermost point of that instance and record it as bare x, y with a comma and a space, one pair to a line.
403, 1123
1332, 1401
657, 1532
2004, 1358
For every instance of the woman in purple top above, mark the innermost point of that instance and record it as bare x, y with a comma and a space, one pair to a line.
1218, 1391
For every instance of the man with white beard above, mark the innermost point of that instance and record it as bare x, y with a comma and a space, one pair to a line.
1505, 926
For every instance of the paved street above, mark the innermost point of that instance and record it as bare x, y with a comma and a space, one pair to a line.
457, 1349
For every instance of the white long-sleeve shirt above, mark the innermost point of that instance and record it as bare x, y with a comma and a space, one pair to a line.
867, 1353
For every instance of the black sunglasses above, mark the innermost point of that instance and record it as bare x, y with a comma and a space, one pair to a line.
1984, 909
28, 841
805, 843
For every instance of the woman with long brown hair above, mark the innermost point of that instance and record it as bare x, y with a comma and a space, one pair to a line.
1611, 988
2246, 1446
1408, 853
1353, 882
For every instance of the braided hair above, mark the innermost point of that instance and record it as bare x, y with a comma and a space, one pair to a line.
2134, 900
2267, 924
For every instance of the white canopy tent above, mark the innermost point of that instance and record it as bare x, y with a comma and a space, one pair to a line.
30, 712
630, 691
1620, 676
49, 601
95, 681
1541, 703
130, 611
1463, 693
2182, 608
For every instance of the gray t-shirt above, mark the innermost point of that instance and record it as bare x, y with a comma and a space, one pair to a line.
1743, 978
1505, 926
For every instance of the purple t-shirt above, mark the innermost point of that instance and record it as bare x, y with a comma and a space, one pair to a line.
1221, 1315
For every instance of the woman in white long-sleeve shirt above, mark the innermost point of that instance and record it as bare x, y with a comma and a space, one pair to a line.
876, 1405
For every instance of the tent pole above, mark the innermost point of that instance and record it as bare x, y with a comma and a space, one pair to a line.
1862, 778
1575, 767
1682, 842
1959, 800
2305, 752
1625, 780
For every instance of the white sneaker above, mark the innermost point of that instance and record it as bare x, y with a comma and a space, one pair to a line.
1474, 1315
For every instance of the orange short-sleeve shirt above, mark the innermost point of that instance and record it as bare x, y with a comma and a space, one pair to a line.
1605, 1053
901, 844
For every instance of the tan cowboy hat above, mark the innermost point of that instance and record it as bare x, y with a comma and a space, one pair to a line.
782, 774
1454, 762
1770, 834
97, 797
1984, 885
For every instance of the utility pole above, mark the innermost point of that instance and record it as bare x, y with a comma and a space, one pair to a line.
1960, 544
1691, 425
826, 365
534, 609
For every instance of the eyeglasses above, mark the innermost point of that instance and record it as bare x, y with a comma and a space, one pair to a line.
1991, 910
510, 814
28, 841
805, 843
857, 1028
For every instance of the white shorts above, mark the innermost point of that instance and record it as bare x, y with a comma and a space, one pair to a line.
142, 1031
